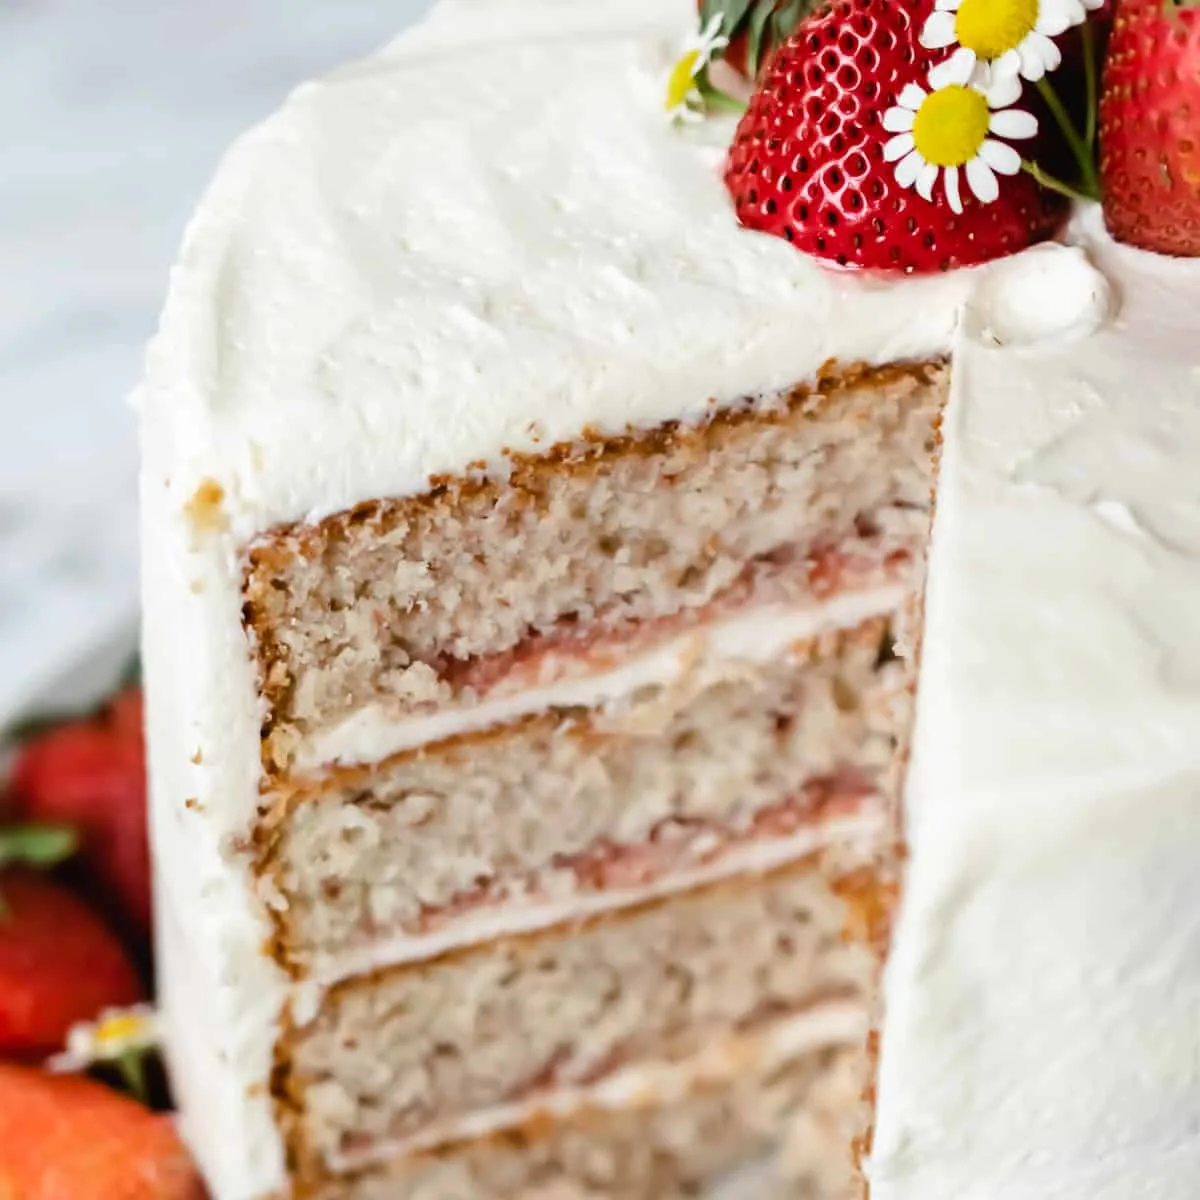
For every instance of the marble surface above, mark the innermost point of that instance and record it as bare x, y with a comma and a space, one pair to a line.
112, 117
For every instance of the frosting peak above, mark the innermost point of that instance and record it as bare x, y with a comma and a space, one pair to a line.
1048, 295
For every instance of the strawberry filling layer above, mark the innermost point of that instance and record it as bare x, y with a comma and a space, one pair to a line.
790, 575
358, 1150
674, 846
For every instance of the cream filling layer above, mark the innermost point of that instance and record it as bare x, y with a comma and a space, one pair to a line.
755, 636
645, 1084
860, 831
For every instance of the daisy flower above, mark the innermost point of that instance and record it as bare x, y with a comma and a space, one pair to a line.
118, 1035
684, 101
1015, 35
953, 128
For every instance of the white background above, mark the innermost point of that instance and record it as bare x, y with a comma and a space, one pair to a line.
113, 114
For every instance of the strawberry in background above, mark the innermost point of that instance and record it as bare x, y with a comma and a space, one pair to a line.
60, 963
70, 1138
1150, 126
90, 775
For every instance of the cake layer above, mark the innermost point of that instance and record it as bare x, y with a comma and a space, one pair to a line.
406, 1054
758, 630
580, 801
430, 599
779, 1123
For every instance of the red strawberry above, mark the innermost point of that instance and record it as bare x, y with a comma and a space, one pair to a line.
1150, 127
59, 964
808, 164
91, 775
70, 1138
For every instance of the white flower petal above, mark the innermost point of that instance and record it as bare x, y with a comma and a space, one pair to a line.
907, 169
1013, 123
926, 179
1038, 55
1003, 87
1051, 54
1057, 16
939, 31
982, 181
66, 1063
957, 69
1007, 65
898, 147
953, 195
953, 5
912, 96
1001, 157
899, 120
1032, 66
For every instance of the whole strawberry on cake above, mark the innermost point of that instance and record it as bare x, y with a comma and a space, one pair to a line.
561, 696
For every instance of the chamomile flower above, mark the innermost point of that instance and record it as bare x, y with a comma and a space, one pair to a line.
1015, 35
952, 130
116, 1034
684, 101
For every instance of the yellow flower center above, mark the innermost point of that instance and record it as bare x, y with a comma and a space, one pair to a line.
120, 1029
951, 125
993, 27
680, 84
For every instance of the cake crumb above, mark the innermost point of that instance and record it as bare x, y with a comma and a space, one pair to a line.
198, 757
193, 805
205, 509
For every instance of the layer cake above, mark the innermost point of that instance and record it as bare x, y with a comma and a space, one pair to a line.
534, 571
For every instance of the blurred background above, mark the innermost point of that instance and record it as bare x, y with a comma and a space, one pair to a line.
113, 114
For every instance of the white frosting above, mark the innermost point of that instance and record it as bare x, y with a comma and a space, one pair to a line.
1042, 1036
753, 638
487, 238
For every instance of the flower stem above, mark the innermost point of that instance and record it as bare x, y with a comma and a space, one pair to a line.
1048, 181
716, 100
132, 1067
1089, 185
1090, 73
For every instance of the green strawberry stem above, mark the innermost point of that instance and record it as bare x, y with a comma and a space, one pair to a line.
1089, 181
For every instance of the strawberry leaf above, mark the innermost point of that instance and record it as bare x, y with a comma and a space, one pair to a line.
754, 36
788, 16
40, 846
732, 12
37, 845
